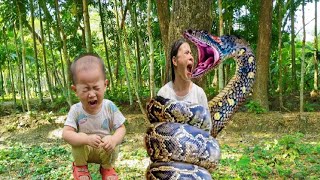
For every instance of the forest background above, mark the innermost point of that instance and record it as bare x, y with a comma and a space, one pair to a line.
39, 39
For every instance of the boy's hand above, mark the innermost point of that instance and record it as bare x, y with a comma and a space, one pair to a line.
94, 140
108, 144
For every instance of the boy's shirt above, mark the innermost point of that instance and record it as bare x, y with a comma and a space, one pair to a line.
103, 123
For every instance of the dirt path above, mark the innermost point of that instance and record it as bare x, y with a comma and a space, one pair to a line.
246, 128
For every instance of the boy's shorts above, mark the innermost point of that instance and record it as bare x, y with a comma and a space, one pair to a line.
83, 155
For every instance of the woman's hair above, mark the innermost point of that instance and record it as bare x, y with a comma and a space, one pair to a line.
174, 51
94, 59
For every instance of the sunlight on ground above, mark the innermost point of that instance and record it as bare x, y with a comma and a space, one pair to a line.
130, 163
231, 155
55, 134
60, 119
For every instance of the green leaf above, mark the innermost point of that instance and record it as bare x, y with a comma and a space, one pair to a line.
244, 161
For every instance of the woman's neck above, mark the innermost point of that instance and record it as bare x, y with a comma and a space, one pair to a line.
182, 87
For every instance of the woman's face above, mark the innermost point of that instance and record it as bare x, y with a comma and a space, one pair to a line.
183, 62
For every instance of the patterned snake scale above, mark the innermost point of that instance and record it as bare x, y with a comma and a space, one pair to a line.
181, 139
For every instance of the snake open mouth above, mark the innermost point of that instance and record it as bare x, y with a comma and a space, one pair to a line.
208, 56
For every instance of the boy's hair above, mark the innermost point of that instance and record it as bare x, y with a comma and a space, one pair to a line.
89, 61
174, 51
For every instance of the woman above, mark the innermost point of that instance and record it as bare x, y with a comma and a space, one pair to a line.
181, 88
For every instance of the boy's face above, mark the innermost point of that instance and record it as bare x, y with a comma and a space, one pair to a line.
90, 88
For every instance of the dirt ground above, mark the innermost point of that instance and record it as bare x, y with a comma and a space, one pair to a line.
245, 127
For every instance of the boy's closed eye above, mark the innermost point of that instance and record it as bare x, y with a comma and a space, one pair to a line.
86, 89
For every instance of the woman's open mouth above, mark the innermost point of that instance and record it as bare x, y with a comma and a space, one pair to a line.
189, 69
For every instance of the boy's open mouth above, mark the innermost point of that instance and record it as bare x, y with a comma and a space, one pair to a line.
94, 102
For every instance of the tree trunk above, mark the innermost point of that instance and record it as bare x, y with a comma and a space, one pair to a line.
280, 84
120, 34
220, 68
302, 62
65, 53
45, 57
87, 26
20, 78
125, 67
163, 13
54, 64
105, 43
293, 48
151, 53
1, 84
260, 87
49, 18
135, 87
36, 52
13, 89
133, 13
54, 61
24, 71
188, 14
5, 84
27, 25
117, 39
9, 69
229, 29
63, 72
315, 55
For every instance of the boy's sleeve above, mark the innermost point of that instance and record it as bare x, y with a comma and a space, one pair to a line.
71, 118
117, 117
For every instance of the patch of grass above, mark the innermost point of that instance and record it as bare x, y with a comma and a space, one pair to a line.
254, 107
289, 157
55, 161
36, 161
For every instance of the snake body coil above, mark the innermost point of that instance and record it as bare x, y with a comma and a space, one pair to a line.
183, 146
181, 139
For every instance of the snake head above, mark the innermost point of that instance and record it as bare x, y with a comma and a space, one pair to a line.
208, 51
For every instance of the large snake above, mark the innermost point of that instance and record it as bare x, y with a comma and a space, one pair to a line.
181, 139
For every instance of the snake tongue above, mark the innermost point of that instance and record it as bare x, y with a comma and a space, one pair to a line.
208, 58
202, 66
